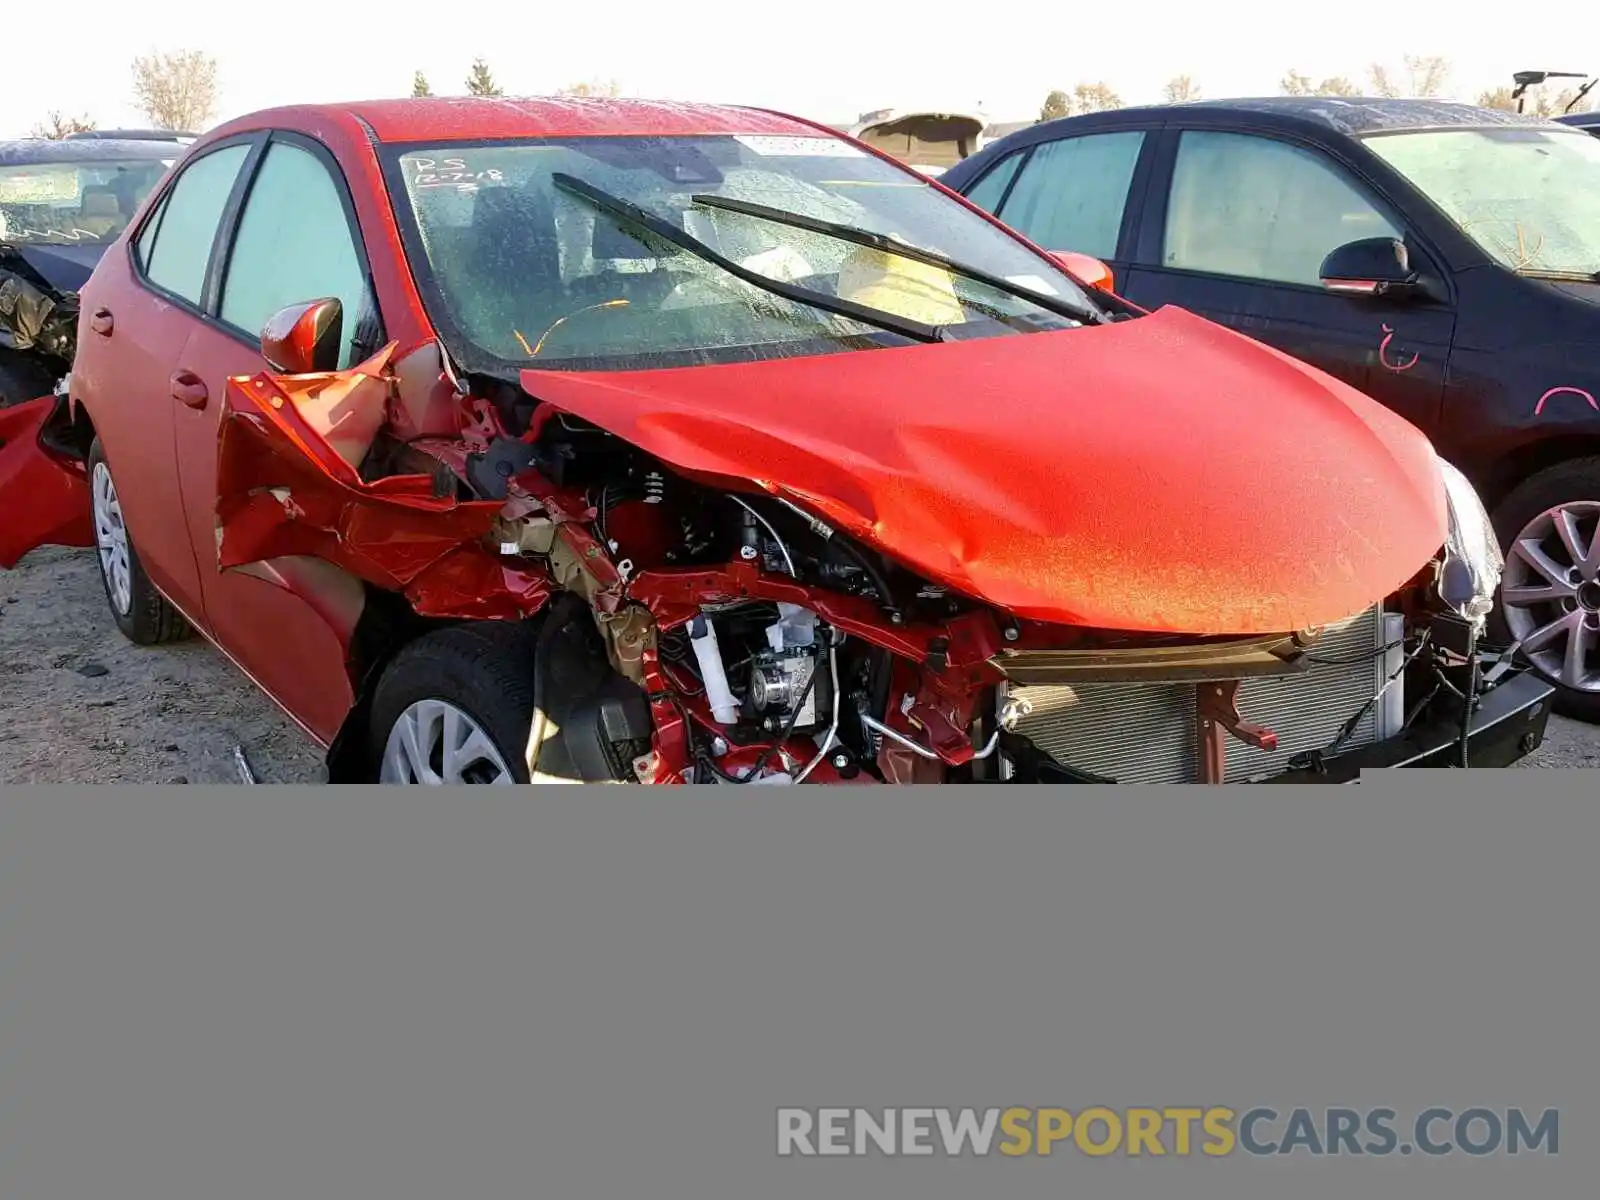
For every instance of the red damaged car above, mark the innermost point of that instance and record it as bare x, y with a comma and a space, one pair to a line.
506, 441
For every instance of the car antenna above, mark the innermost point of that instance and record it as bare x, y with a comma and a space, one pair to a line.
1527, 79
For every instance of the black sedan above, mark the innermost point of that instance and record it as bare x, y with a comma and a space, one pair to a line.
1443, 258
61, 204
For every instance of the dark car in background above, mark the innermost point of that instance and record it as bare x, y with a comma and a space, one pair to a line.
1589, 122
1443, 258
61, 204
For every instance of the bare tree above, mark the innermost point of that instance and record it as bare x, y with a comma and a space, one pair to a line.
1056, 104
58, 125
594, 87
419, 85
1180, 88
480, 82
1095, 97
1295, 84
1423, 77
176, 91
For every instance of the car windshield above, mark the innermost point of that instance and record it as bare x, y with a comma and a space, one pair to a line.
1529, 196
88, 202
518, 266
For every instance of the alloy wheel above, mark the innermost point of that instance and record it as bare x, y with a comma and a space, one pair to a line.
111, 540
433, 742
1550, 593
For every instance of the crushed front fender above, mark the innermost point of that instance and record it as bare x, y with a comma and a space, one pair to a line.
284, 490
44, 496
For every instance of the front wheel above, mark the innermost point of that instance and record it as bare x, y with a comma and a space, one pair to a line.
1550, 591
455, 706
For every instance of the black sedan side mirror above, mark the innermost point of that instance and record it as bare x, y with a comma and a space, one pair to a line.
1377, 266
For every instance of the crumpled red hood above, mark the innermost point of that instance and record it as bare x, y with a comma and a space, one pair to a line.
1161, 474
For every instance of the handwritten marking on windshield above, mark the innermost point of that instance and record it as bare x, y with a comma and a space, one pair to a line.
1538, 408
68, 235
1383, 354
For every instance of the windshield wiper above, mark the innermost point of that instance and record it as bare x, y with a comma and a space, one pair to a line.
1556, 276
878, 241
632, 214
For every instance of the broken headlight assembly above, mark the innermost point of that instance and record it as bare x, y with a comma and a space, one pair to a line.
1470, 573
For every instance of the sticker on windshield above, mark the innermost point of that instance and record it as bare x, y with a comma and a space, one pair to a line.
1034, 284
39, 187
798, 147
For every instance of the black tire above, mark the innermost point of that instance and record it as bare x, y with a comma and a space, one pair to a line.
1564, 483
22, 379
485, 669
148, 620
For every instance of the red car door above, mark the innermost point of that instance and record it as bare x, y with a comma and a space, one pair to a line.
290, 238
138, 310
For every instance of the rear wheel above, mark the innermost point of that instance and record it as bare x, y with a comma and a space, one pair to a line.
455, 707
1550, 593
140, 611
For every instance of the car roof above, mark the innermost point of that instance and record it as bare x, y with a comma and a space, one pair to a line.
1351, 116
25, 152
131, 135
1583, 120
473, 118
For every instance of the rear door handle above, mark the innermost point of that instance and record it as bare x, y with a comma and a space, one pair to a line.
190, 388
102, 322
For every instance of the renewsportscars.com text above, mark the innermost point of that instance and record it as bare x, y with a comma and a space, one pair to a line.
1179, 1132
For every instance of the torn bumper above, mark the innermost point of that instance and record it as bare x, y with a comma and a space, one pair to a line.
48, 493
1507, 724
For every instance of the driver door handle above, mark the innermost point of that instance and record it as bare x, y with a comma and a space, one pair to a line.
101, 322
190, 388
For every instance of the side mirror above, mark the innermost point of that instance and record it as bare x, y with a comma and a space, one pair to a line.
303, 339
1086, 268
1370, 267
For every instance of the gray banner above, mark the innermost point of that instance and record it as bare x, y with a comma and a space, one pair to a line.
223, 994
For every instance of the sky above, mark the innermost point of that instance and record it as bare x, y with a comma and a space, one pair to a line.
826, 61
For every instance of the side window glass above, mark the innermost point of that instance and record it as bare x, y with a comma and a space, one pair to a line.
294, 243
1256, 208
986, 193
188, 223
147, 236
1072, 193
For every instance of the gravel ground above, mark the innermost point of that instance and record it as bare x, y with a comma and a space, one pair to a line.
80, 704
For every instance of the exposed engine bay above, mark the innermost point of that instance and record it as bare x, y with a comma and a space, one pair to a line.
692, 631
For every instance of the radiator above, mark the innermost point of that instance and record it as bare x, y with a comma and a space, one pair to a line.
1145, 732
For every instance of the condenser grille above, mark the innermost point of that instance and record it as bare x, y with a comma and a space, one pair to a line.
1145, 732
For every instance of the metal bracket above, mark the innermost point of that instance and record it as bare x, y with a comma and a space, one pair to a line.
1217, 716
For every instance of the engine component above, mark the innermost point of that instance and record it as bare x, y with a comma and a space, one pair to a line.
609, 730
778, 680
703, 637
781, 689
490, 471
